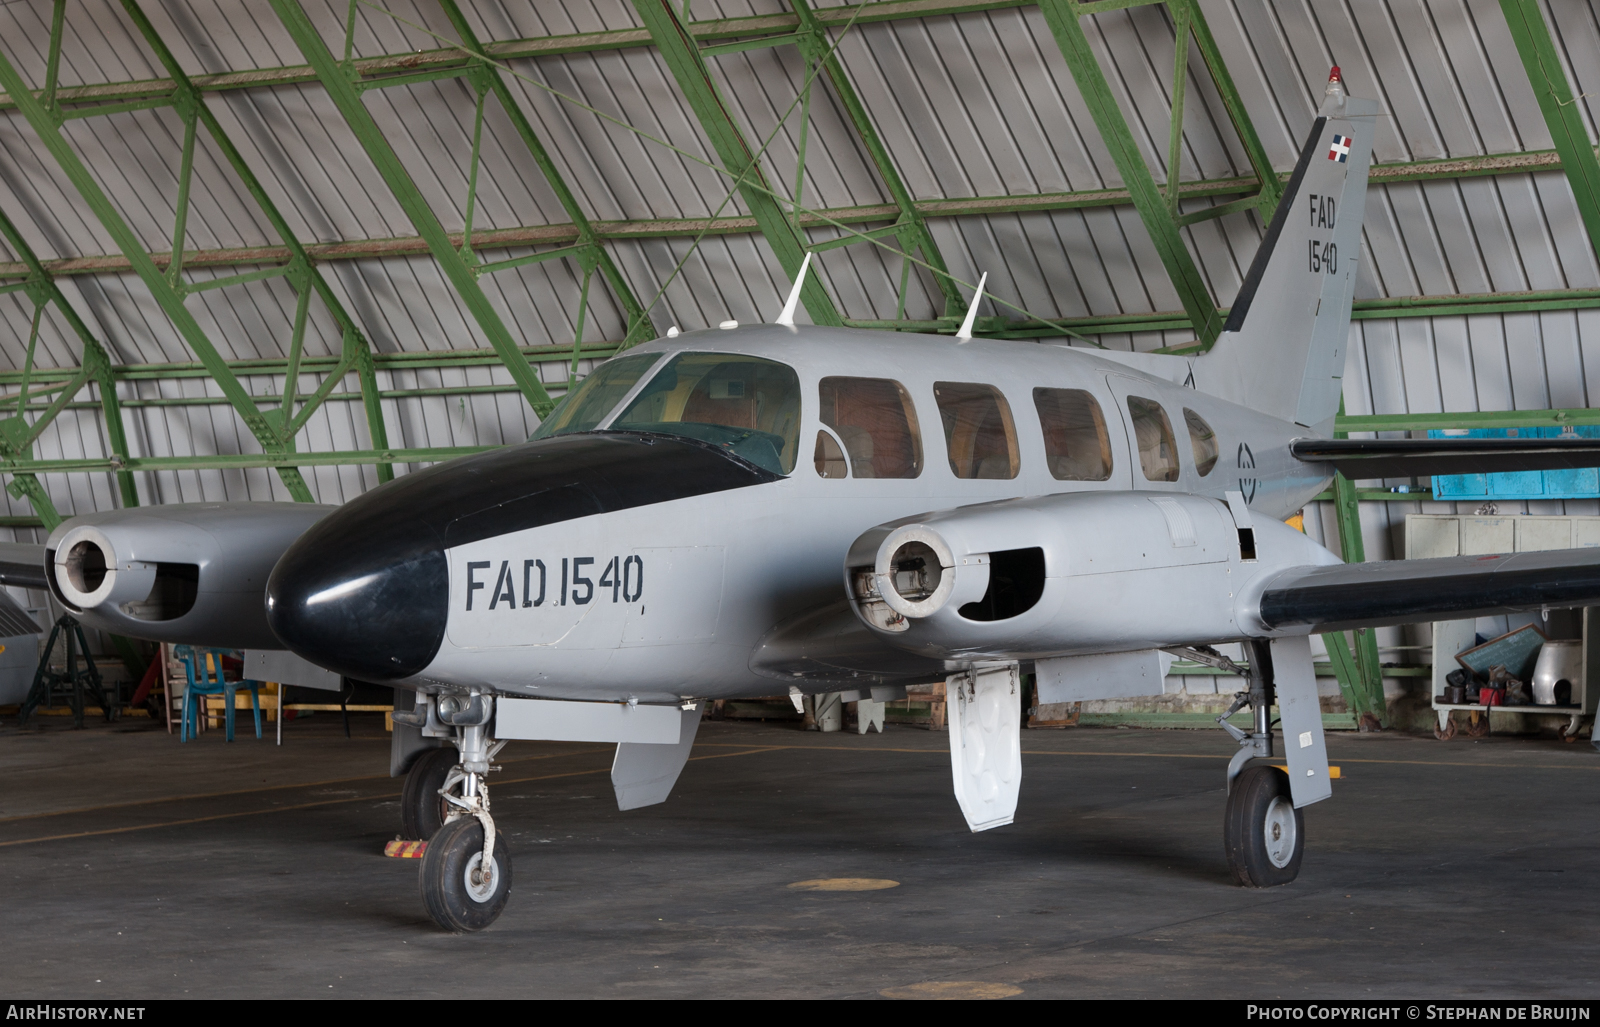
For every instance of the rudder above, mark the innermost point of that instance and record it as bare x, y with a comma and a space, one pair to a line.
1282, 349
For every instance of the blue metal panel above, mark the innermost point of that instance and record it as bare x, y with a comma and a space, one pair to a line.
1583, 483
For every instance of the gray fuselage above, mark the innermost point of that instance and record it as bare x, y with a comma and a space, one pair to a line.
668, 599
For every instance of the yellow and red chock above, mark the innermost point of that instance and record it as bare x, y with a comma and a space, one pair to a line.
398, 849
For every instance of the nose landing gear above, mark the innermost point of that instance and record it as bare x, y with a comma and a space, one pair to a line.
458, 892
466, 868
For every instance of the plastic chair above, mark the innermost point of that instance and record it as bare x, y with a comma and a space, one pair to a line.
199, 665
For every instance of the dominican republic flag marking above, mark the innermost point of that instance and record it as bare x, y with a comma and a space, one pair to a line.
1340, 149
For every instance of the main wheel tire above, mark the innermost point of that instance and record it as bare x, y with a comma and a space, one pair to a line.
422, 808
458, 899
1264, 834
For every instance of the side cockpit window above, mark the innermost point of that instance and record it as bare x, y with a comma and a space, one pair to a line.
978, 432
1203, 441
1152, 430
874, 423
587, 405
1076, 443
748, 406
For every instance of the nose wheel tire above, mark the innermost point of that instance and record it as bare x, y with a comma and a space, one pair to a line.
455, 890
422, 808
1265, 836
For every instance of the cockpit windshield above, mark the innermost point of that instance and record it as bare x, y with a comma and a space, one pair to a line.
746, 405
587, 405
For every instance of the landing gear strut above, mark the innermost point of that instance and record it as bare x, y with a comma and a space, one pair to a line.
1262, 832
466, 868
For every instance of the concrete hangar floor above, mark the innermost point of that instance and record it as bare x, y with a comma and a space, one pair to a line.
132, 866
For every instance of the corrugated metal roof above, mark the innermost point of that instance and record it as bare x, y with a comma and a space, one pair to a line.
968, 105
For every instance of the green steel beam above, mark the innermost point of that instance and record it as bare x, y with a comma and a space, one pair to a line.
25, 485
443, 391
95, 361
688, 68
298, 262
662, 228
1360, 677
1204, 721
336, 80
1470, 419
425, 360
542, 46
1415, 494
1266, 198
52, 68
1062, 17
815, 45
25, 469
1525, 18
1185, 668
595, 255
170, 300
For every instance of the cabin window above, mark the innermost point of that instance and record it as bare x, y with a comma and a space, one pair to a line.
829, 457
1204, 441
587, 405
978, 433
1158, 453
745, 405
874, 419
1076, 444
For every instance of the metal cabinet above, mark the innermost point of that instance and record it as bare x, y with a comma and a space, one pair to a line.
1437, 535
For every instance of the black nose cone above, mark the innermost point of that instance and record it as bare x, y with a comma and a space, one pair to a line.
362, 595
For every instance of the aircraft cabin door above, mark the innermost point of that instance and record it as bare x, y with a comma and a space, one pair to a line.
1157, 442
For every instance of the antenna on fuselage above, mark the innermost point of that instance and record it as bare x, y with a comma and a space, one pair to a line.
965, 333
787, 316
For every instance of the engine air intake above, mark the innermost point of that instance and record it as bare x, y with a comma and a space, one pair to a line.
1016, 583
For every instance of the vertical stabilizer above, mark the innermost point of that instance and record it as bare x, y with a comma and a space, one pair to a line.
1282, 350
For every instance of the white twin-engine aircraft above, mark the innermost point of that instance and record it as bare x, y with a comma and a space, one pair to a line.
734, 512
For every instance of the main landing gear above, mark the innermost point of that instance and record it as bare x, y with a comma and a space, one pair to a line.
1262, 832
466, 868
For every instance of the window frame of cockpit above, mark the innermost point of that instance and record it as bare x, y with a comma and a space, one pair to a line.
617, 407
801, 453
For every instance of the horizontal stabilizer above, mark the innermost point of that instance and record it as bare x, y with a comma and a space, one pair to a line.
1357, 459
1356, 595
22, 565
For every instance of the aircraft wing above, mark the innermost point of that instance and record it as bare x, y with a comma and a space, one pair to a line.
22, 565
1353, 595
831, 645
1404, 458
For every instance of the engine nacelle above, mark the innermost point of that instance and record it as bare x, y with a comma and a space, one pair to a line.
1075, 573
190, 572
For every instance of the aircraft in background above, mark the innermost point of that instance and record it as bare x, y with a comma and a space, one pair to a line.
730, 512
